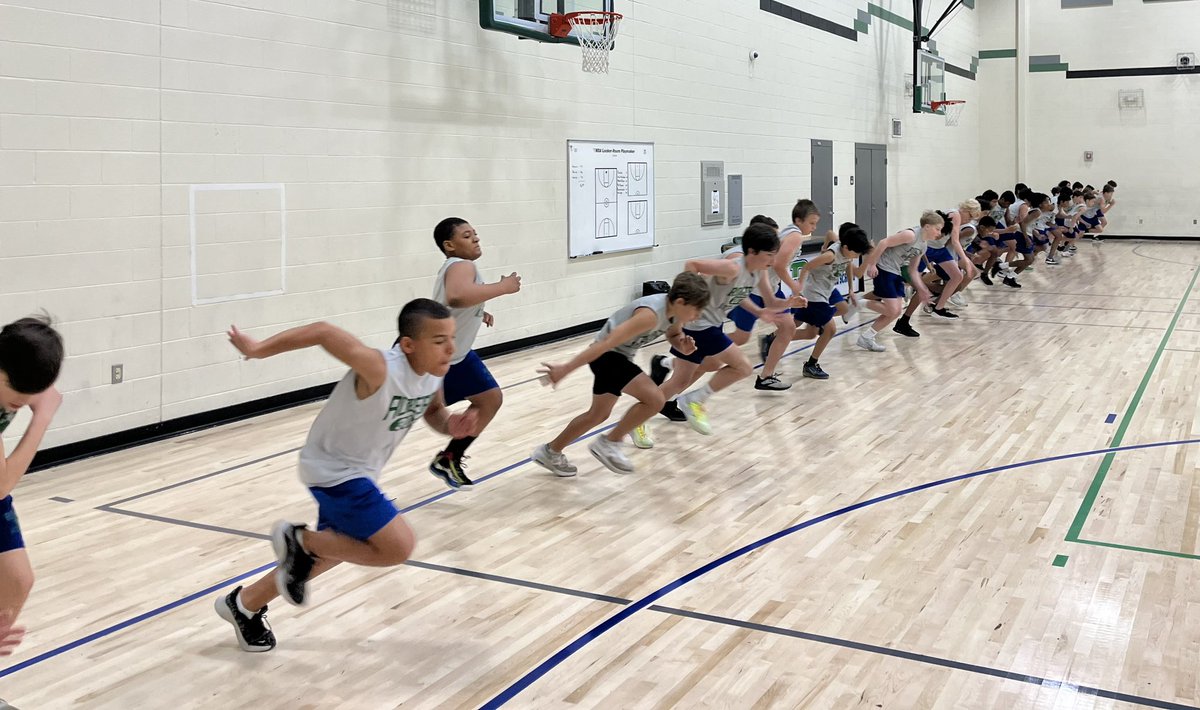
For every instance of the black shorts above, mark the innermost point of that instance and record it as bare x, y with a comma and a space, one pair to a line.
613, 371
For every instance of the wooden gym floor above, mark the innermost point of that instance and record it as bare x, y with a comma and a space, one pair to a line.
1004, 513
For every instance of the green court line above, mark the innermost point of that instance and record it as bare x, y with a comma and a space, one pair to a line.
1060, 561
1089, 500
1134, 548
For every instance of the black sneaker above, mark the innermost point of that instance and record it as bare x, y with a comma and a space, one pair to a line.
764, 345
659, 371
904, 327
671, 411
813, 370
450, 470
295, 565
943, 313
995, 269
253, 633
983, 276
1011, 282
771, 382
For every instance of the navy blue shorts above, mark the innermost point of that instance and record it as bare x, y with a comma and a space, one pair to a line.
710, 341
835, 298
1024, 246
356, 508
1090, 221
815, 313
467, 379
10, 529
889, 285
744, 319
939, 256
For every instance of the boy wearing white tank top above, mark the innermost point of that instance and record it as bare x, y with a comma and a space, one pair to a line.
460, 287
366, 417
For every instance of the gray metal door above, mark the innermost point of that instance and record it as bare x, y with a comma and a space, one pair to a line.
879, 202
870, 189
822, 183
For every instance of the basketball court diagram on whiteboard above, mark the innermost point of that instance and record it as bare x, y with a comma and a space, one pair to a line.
610, 197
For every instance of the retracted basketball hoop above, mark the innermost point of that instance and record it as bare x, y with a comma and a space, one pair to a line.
953, 109
596, 32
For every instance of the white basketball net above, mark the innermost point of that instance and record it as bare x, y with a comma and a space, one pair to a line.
953, 112
596, 32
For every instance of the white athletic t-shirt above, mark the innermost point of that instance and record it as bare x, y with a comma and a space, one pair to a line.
354, 438
467, 321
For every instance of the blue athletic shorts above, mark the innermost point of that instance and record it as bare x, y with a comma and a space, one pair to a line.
356, 508
889, 285
710, 341
815, 313
939, 256
744, 319
1024, 246
10, 529
1090, 221
835, 298
467, 379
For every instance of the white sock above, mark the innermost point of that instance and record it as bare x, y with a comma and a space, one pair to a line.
241, 607
698, 395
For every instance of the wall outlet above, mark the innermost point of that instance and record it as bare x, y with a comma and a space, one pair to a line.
118, 374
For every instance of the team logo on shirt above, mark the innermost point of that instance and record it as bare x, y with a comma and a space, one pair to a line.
404, 411
737, 294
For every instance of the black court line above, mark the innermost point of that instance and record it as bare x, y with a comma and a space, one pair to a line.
1071, 308
1053, 322
183, 523
728, 621
202, 477
1190, 265
1100, 295
929, 660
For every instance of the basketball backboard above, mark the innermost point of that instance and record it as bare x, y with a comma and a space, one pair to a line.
930, 84
530, 19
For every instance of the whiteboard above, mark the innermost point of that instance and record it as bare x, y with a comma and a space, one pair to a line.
610, 204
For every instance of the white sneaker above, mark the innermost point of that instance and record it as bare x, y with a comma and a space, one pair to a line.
555, 462
868, 343
958, 300
641, 437
609, 453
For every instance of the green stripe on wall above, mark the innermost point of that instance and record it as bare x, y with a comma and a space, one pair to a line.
997, 53
1048, 67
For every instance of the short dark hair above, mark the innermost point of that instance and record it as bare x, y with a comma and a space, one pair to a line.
1026, 195
1111, 183
854, 238
759, 238
990, 195
804, 209
444, 231
985, 204
1089, 187
692, 288
1109, 188
763, 219
1076, 185
1064, 183
947, 225
1077, 193
1054, 190
987, 221
31, 354
1021, 187
1064, 196
1009, 197
416, 312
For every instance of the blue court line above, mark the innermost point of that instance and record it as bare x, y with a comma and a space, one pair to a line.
192, 597
130, 622
1110, 419
549, 664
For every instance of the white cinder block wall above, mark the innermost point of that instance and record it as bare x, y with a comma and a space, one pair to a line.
348, 129
1063, 117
